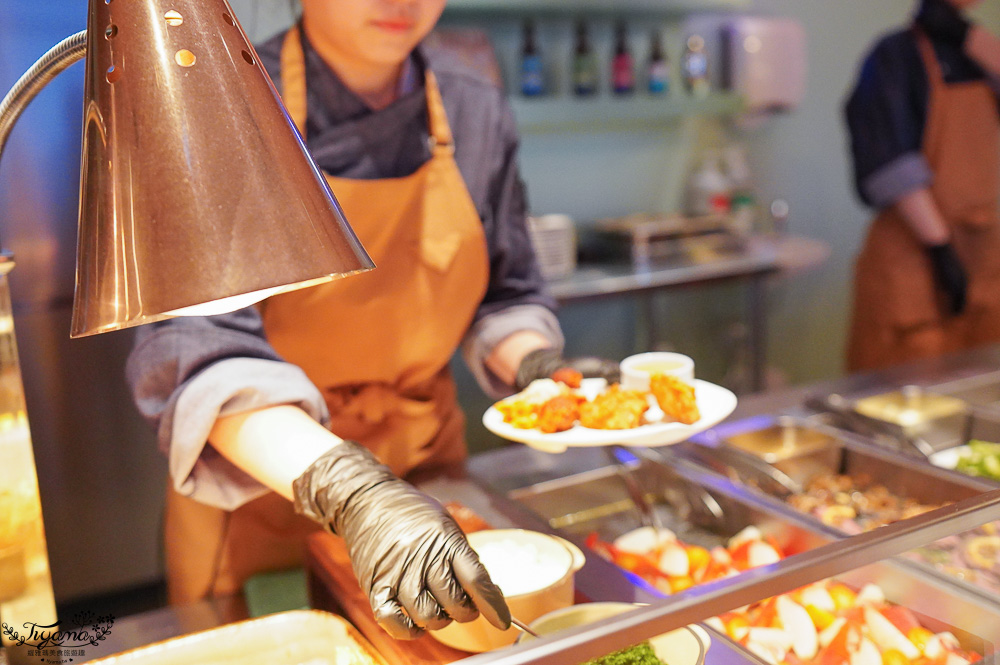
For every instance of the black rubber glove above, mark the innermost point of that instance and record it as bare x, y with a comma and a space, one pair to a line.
541, 363
408, 554
949, 273
942, 20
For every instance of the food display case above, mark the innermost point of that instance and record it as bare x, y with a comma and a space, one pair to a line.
710, 493
845, 485
585, 498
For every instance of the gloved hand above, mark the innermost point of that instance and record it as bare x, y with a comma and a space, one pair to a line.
408, 554
541, 363
949, 273
940, 19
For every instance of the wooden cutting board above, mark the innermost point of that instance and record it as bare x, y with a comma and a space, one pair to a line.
333, 587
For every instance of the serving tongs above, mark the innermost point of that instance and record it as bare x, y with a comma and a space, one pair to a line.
742, 466
693, 504
845, 416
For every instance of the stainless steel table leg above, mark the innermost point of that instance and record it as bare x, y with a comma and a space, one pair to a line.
756, 341
646, 340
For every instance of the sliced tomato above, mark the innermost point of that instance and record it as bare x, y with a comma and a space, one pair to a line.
900, 617
840, 648
767, 613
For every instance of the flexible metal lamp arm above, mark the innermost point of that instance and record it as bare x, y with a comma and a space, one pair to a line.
50, 65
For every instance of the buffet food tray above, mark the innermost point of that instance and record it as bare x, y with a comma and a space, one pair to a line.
884, 487
706, 510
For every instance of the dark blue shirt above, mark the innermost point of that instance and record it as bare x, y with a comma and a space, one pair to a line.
886, 115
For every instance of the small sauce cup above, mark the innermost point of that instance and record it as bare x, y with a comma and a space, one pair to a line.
635, 370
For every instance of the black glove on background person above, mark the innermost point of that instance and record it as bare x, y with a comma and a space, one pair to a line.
949, 275
541, 363
942, 20
408, 554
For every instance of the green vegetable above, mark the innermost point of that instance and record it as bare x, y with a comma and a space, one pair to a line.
640, 654
981, 459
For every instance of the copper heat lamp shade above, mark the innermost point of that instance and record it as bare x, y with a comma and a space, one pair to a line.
195, 185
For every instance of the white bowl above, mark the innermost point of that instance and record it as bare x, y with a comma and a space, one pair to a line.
636, 369
561, 560
684, 646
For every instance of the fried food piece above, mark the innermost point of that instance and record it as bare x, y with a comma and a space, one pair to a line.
559, 413
570, 377
614, 409
519, 413
675, 397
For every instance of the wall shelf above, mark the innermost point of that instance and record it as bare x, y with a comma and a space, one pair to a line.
546, 115
462, 8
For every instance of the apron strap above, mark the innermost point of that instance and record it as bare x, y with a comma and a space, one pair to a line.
935, 76
441, 140
293, 78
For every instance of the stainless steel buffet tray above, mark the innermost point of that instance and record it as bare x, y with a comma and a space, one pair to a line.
842, 453
814, 448
981, 391
689, 502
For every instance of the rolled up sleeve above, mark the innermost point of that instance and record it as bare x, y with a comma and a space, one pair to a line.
490, 330
186, 373
886, 114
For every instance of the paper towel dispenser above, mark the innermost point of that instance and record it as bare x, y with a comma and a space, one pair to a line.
763, 59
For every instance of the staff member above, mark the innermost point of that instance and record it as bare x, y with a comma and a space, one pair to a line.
925, 138
265, 405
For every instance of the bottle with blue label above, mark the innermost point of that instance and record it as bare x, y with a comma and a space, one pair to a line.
658, 67
532, 67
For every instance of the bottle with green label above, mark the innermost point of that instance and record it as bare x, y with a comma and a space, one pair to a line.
584, 64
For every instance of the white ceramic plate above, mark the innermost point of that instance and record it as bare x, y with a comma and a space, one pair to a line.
714, 404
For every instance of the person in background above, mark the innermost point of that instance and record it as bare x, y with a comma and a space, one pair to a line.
925, 140
310, 408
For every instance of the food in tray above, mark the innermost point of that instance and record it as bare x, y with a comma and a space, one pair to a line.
670, 565
981, 458
853, 504
826, 623
829, 623
558, 404
637, 654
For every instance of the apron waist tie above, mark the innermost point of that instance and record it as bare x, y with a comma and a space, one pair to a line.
373, 402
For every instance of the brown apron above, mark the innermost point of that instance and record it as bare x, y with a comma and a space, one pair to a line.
376, 344
899, 313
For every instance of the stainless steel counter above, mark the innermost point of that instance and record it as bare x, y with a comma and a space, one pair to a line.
762, 257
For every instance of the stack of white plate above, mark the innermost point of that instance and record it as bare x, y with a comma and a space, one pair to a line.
554, 240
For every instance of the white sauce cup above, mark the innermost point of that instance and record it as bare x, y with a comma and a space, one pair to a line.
636, 369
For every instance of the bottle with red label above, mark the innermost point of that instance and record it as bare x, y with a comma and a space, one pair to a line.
708, 189
622, 65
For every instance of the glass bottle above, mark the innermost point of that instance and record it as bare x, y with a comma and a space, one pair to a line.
532, 67
622, 66
695, 66
584, 64
658, 67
